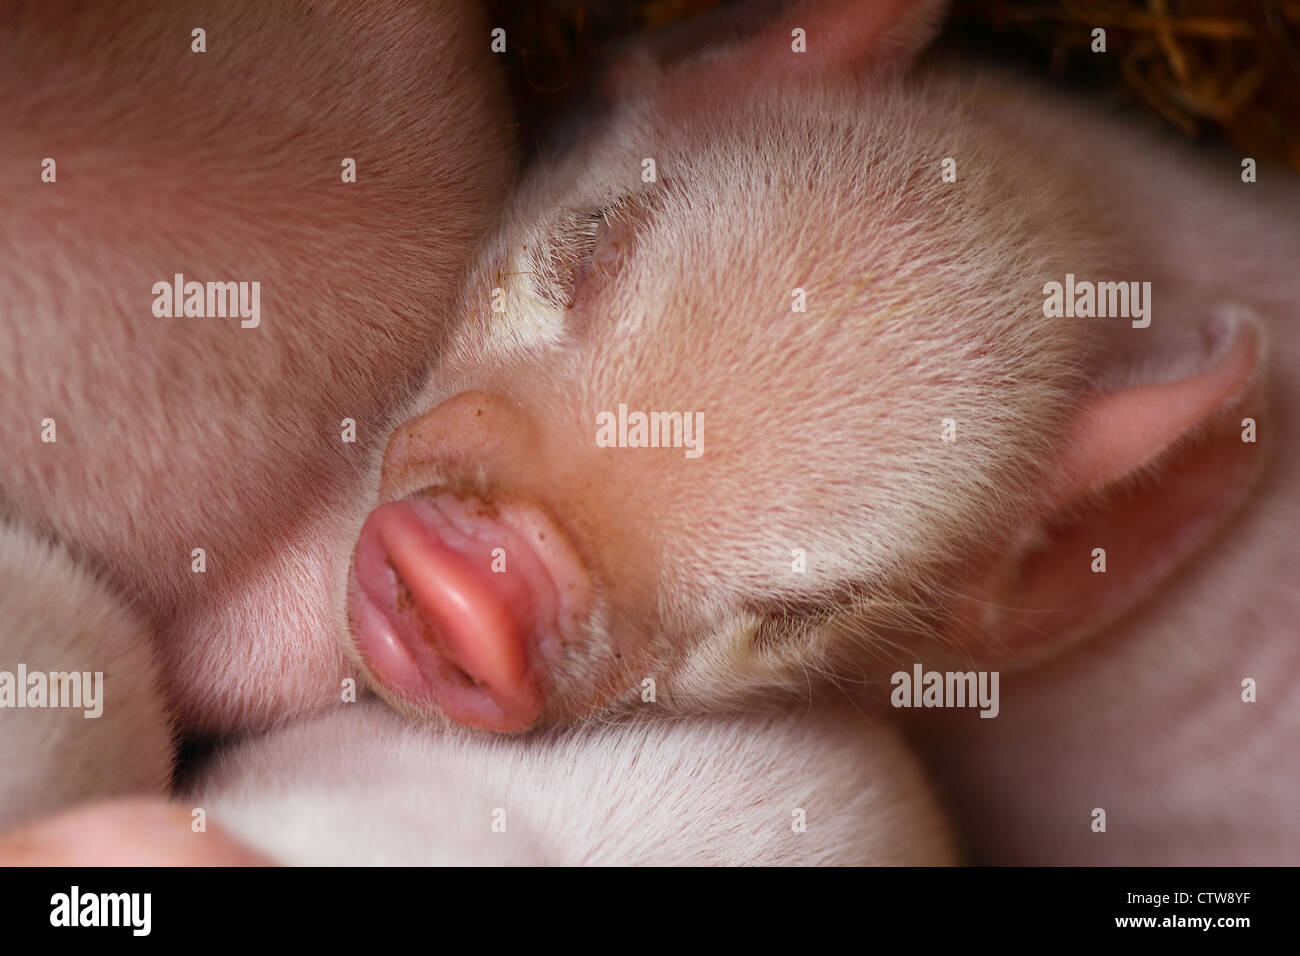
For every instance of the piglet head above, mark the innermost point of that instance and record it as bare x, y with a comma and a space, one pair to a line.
627, 444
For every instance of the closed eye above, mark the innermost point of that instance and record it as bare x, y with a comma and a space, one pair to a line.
586, 247
598, 223
559, 264
783, 623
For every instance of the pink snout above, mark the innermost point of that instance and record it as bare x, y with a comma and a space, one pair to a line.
454, 605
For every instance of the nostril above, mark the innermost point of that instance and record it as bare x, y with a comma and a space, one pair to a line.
461, 678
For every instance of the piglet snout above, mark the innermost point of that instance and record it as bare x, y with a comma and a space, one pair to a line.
455, 605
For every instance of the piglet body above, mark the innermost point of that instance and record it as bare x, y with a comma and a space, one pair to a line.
323, 173
362, 786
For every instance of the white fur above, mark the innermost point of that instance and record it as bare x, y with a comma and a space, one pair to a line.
360, 786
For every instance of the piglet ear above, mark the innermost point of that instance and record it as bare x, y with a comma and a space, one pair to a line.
762, 42
850, 35
1147, 476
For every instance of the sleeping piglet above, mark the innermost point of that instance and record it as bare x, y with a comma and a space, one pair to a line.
799, 361
231, 236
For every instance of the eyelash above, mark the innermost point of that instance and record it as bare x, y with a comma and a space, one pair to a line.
564, 258
783, 623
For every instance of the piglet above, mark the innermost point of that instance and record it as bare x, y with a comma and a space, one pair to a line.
231, 239
798, 363
817, 786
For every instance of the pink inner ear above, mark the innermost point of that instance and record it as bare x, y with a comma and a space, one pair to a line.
840, 36
852, 34
1185, 437
1119, 432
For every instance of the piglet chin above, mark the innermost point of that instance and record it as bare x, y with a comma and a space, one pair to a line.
455, 606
